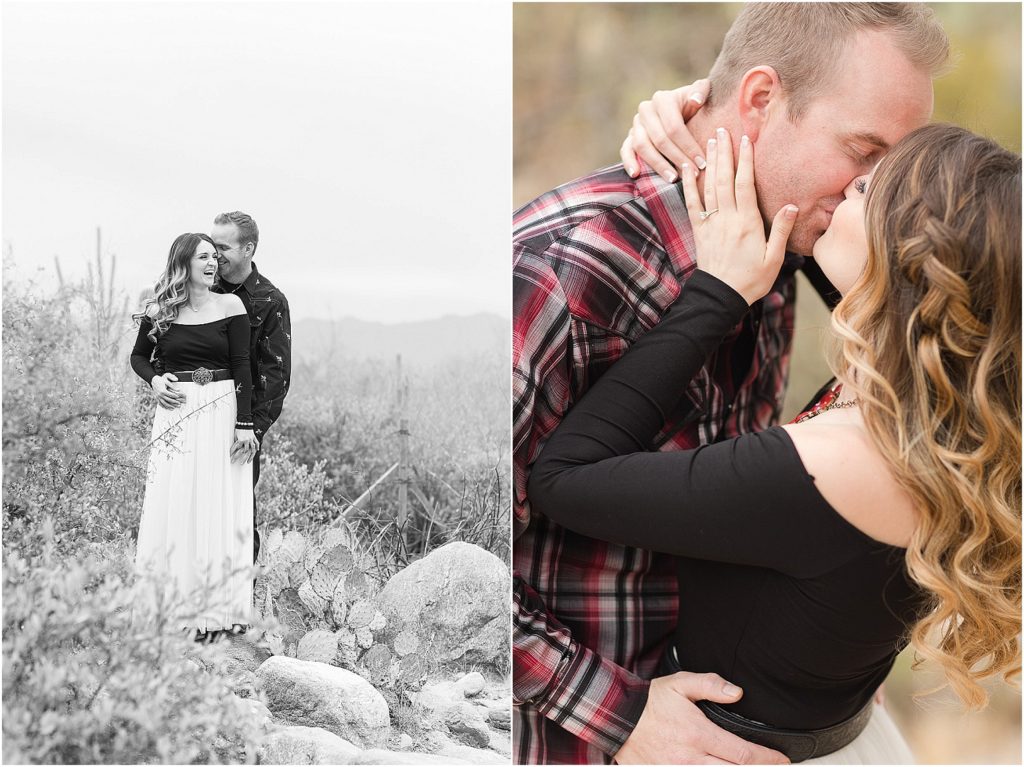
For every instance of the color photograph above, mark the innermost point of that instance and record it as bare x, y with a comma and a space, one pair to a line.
766, 383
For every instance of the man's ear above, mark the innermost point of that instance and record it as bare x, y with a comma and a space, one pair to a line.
759, 96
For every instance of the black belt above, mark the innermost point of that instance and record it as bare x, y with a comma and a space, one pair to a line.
202, 376
798, 745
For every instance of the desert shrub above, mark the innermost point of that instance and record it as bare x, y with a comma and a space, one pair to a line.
342, 413
96, 672
76, 429
74, 425
344, 416
81, 682
296, 495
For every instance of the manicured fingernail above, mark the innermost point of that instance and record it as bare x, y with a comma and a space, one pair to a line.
630, 171
669, 176
696, 98
720, 132
791, 211
730, 689
711, 145
699, 162
745, 141
685, 167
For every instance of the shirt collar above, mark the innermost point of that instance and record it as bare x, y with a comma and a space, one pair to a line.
250, 282
667, 207
668, 210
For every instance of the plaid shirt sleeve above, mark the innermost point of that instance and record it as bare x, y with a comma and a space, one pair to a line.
573, 686
541, 364
274, 352
589, 696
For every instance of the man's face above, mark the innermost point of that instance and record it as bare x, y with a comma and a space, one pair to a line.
233, 257
877, 96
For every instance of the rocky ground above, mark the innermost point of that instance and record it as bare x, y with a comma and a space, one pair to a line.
413, 674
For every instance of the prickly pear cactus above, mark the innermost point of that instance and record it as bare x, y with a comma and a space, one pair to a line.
361, 614
375, 665
318, 645
406, 642
411, 671
318, 590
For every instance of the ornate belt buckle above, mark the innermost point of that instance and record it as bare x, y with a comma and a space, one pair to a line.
202, 376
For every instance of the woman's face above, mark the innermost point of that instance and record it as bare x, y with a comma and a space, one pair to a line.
202, 269
842, 251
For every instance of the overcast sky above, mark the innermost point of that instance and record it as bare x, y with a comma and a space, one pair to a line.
370, 141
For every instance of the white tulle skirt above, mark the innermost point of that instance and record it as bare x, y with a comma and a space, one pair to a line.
196, 528
880, 743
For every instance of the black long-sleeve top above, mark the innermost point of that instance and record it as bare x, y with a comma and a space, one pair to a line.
220, 344
778, 593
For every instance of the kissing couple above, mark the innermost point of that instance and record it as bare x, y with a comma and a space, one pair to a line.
693, 581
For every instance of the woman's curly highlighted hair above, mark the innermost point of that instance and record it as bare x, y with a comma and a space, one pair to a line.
171, 291
930, 338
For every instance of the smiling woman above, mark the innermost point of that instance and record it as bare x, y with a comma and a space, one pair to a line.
203, 269
196, 530
344, 128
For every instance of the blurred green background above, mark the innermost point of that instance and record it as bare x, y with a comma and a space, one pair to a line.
580, 69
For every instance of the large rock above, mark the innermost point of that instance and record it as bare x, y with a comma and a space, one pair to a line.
306, 745
466, 724
475, 755
456, 601
257, 710
316, 694
441, 745
472, 684
500, 718
438, 697
380, 756
242, 658
242, 654
501, 742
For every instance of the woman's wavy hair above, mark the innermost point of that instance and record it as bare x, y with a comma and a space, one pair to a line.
930, 338
171, 290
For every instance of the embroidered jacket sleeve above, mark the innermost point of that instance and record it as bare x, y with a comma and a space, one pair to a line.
573, 686
274, 365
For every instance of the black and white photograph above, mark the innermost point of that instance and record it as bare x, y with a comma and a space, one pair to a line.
256, 329
725, 470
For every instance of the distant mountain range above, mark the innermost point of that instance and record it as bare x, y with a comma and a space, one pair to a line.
420, 343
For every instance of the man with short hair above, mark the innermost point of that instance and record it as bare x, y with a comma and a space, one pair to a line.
270, 342
597, 262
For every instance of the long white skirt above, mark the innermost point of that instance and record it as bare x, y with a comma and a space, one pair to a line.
880, 743
196, 528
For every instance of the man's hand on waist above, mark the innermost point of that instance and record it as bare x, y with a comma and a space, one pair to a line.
672, 730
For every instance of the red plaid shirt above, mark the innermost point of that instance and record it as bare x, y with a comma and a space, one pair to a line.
596, 263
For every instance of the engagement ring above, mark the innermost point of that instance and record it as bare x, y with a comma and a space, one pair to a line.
707, 213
